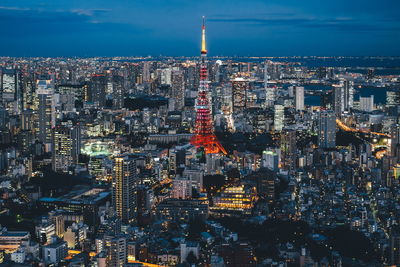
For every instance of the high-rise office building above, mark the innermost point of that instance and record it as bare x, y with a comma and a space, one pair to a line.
270, 159
28, 92
11, 89
395, 143
279, 117
327, 129
367, 103
66, 147
146, 71
178, 89
240, 86
46, 111
394, 246
124, 188
299, 97
10, 83
392, 98
97, 91
343, 96
288, 149
269, 91
118, 91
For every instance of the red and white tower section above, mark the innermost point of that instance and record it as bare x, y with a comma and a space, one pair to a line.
204, 135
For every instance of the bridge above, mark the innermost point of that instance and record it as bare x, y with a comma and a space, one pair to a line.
382, 148
346, 128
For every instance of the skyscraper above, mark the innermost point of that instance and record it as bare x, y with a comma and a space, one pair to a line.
11, 89
119, 91
392, 98
299, 97
66, 147
97, 91
327, 129
394, 246
367, 103
178, 89
279, 117
269, 91
146, 71
395, 143
47, 116
240, 86
343, 96
288, 149
124, 188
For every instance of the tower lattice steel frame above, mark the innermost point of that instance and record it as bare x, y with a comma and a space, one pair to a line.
204, 135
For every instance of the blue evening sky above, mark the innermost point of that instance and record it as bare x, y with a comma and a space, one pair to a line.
172, 27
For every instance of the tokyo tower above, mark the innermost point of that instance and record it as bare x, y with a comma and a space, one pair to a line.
204, 135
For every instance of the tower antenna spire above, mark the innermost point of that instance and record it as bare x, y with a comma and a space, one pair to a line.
203, 38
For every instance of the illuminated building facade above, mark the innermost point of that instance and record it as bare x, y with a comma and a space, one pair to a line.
367, 103
343, 96
279, 116
45, 92
392, 98
96, 167
395, 142
240, 87
234, 200
288, 149
178, 89
118, 91
182, 210
11, 240
182, 188
11, 89
270, 94
299, 97
66, 147
124, 188
97, 90
327, 129
270, 159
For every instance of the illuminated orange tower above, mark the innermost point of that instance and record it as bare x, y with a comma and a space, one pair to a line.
204, 135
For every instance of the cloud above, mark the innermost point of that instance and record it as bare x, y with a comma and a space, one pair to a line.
25, 21
344, 24
89, 12
13, 8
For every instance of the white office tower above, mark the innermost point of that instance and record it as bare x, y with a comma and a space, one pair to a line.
269, 92
270, 159
279, 117
327, 129
343, 96
299, 97
367, 103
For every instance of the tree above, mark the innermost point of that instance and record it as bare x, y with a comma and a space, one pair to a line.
191, 258
195, 228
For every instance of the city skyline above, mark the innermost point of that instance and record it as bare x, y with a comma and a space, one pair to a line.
197, 161
243, 28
